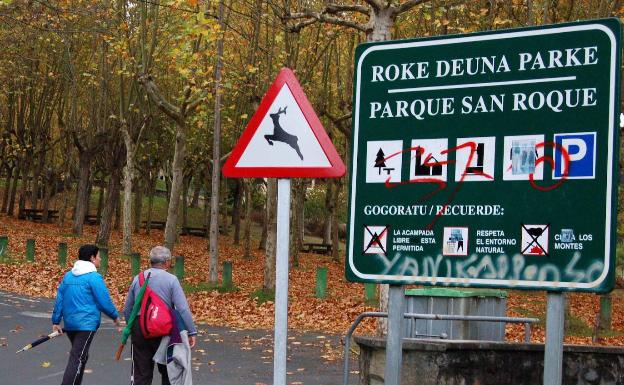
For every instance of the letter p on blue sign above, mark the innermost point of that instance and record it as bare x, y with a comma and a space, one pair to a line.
581, 155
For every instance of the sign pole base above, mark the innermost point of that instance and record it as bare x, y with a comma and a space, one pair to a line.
394, 340
553, 350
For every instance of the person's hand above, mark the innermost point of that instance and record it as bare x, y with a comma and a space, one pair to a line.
57, 328
118, 324
192, 341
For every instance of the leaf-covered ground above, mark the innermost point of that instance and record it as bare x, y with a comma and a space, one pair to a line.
237, 309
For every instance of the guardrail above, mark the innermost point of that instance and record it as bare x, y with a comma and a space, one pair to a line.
526, 321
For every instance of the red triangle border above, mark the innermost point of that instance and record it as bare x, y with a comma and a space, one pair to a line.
337, 169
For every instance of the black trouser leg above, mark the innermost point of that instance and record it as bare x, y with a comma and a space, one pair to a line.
78, 356
143, 350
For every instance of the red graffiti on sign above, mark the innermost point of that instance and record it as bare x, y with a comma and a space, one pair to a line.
472, 146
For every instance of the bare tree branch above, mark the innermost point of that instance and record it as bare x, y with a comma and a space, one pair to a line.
195, 100
409, 4
335, 8
169, 109
375, 4
322, 17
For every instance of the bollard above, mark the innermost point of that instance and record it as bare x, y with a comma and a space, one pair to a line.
103, 261
227, 274
4, 246
30, 250
62, 254
135, 263
370, 292
179, 267
321, 282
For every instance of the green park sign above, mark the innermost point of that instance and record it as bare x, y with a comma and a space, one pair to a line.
487, 159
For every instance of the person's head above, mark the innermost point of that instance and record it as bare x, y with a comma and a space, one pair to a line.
160, 256
89, 253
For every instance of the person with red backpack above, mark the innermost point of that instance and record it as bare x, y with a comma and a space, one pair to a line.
163, 294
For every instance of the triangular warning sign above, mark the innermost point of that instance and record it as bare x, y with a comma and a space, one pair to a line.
284, 138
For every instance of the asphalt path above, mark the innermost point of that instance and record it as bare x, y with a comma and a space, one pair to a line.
222, 355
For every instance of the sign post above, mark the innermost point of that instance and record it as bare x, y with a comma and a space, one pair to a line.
284, 139
487, 160
281, 281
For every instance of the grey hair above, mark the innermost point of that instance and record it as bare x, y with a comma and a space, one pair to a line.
159, 254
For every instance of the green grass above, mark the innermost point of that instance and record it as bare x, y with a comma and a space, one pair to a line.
578, 328
261, 296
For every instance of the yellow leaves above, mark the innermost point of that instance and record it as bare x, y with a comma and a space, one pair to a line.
45, 364
192, 3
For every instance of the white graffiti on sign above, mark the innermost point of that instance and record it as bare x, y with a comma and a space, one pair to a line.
502, 267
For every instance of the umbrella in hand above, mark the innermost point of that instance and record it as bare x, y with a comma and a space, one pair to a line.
135, 309
39, 341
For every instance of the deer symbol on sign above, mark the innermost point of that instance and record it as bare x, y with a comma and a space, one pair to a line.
280, 135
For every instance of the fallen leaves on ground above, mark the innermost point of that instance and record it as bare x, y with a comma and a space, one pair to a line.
344, 302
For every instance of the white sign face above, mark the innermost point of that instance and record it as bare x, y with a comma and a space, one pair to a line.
427, 160
480, 152
284, 138
383, 161
520, 157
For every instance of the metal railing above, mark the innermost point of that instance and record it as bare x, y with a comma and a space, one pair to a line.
374, 314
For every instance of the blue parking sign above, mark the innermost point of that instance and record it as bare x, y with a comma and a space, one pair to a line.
581, 150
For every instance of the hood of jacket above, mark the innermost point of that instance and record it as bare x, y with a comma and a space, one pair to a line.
83, 267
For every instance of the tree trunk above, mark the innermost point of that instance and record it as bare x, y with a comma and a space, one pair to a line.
185, 201
381, 23
82, 192
24, 187
196, 191
176, 188
100, 204
126, 248
335, 239
110, 205
7, 189
13, 193
138, 206
213, 243
271, 242
330, 207
298, 199
150, 205
247, 185
118, 209
47, 194
265, 223
225, 228
236, 210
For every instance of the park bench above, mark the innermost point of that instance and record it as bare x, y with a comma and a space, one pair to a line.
197, 231
36, 214
314, 247
159, 225
92, 219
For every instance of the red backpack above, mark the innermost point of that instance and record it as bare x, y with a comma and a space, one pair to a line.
155, 318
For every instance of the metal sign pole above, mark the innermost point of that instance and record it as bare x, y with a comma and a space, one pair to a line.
553, 351
394, 344
281, 282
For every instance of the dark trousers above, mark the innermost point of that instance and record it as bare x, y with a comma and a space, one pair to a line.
143, 350
78, 356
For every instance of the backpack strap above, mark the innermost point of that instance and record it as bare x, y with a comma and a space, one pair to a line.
142, 278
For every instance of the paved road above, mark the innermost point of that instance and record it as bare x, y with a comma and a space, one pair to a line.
222, 356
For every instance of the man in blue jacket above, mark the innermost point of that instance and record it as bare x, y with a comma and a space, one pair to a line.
81, 297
